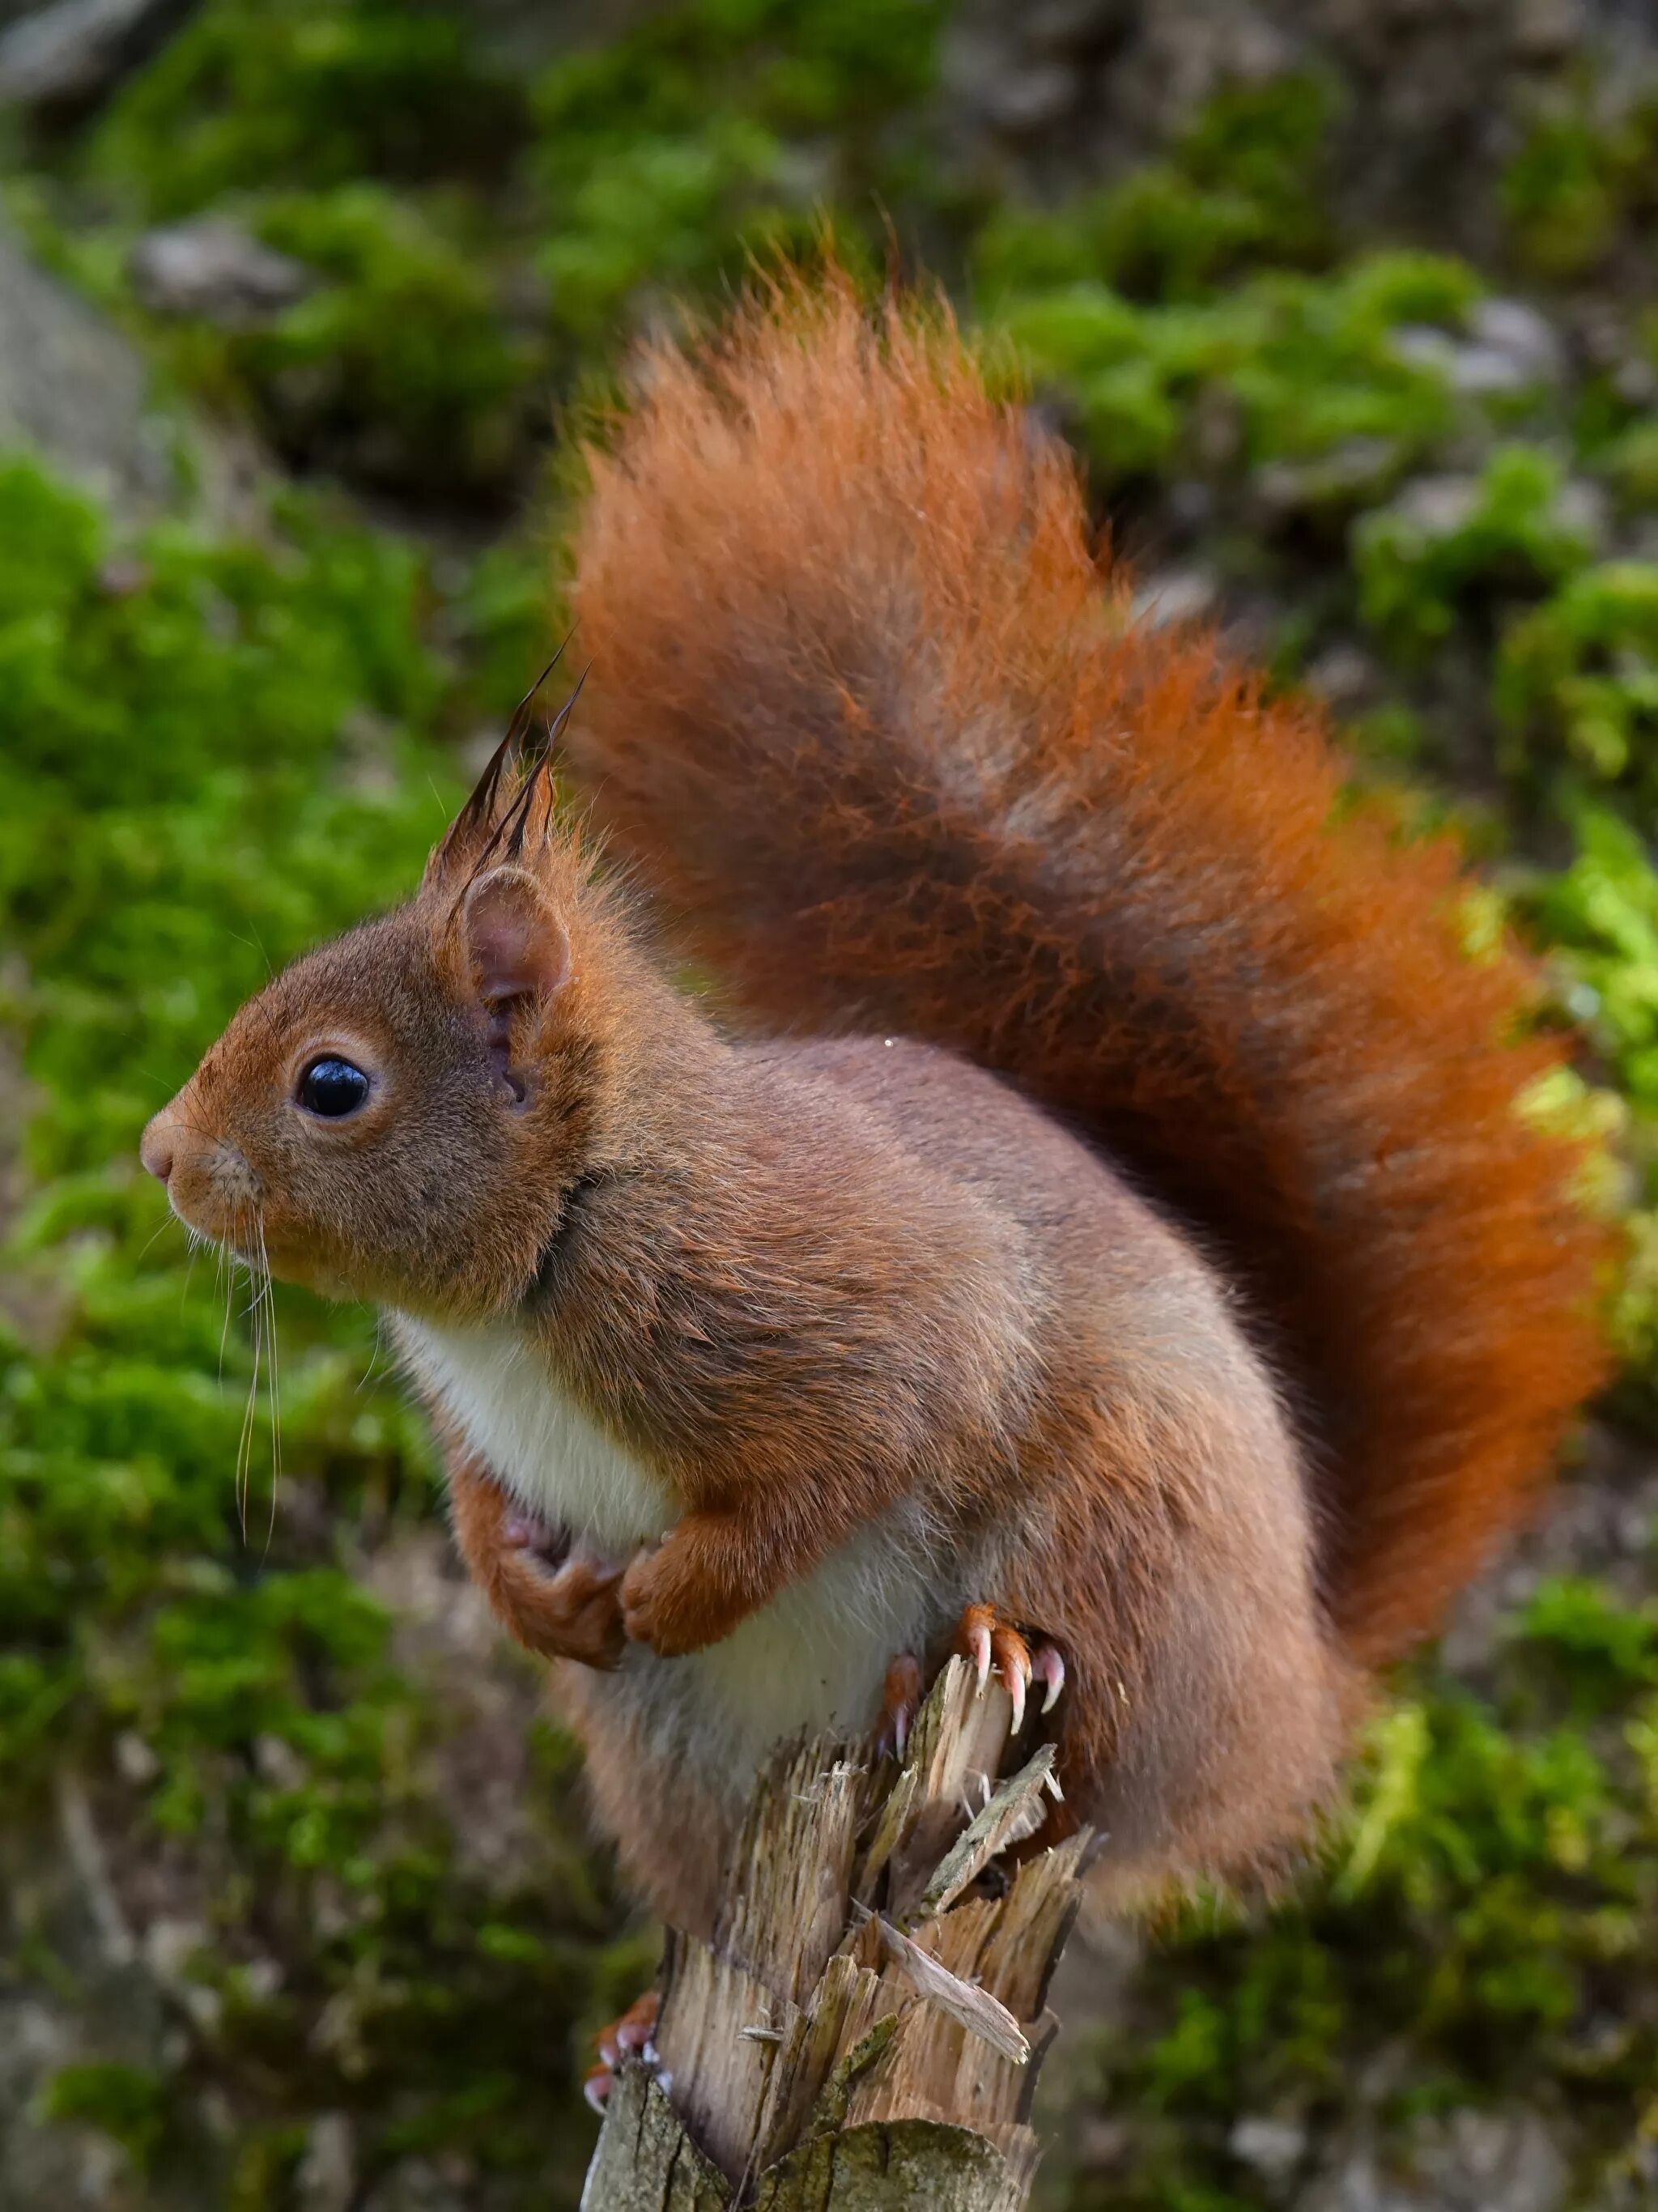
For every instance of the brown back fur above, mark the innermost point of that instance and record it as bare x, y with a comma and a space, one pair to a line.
867, 711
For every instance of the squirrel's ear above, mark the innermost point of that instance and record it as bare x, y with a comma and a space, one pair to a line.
517, 946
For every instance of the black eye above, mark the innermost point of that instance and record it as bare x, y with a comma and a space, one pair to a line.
332, 1088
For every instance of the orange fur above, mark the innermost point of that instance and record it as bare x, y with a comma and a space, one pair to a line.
792, 1348
867, 711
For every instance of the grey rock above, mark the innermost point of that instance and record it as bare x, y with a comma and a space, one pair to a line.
1029, 100
72, 386
1478, 2159
71, 54
327, 2175
1483, 372
1358, 469
1273, 2148
1544, 30
134, 1760
1356, 2183
419, 2185
1468, 2161
1343, 675
1437, 506
1424, 345
1479, 372
1583, 509
1433, 91
1524, 333
217, 269
1511, 348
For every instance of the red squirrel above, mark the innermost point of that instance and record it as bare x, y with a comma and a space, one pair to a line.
1090, 1221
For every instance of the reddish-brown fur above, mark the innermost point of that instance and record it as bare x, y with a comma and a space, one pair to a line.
866, 708
849, 1305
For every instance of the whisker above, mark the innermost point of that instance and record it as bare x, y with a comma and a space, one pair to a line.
164, 1223
274, 1386
224, 1280
233, 1258
378, 1347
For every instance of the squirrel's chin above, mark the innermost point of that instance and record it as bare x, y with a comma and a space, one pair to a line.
316, 1276
305, 1269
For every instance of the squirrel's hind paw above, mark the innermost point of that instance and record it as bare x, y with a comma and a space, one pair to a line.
631, 2036
1029, 1665
1019, 1657
901, 1700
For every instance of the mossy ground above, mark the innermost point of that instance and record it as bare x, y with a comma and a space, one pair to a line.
216, 752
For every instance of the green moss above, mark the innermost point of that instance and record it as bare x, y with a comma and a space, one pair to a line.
1631, 460
125, 2103
669, 158
1492, 1888
1241, 186
211, 754
1577, 680
1580, 178
1287, 368
399, 364
1421, 572
1602, 912
253, 94
486, 236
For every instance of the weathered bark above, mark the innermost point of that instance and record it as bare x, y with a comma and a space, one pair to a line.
866, 2029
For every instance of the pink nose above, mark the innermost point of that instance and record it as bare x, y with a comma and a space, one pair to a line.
155, 1147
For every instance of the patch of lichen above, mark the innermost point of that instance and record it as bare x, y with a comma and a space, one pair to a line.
215, 753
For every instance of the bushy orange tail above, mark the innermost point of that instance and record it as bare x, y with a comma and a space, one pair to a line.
867, 714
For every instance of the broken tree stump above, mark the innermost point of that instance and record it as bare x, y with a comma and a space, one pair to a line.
866, 2029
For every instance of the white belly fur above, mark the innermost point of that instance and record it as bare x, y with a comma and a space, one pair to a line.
817, 1653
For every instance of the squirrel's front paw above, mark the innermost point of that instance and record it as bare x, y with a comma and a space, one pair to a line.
554, 1597
671, 1594
563, 1604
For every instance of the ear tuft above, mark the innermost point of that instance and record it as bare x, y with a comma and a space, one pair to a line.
518, 946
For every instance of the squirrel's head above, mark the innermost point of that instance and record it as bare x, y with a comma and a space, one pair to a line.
402, 1115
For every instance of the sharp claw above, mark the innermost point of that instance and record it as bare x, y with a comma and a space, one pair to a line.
1048, 1667
979, 1644
597, 2090
1015, 1675
901, 1699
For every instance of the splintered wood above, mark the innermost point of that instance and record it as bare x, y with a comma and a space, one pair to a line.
865, 2030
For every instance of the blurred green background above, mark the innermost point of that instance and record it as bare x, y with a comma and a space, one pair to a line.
1352, 315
